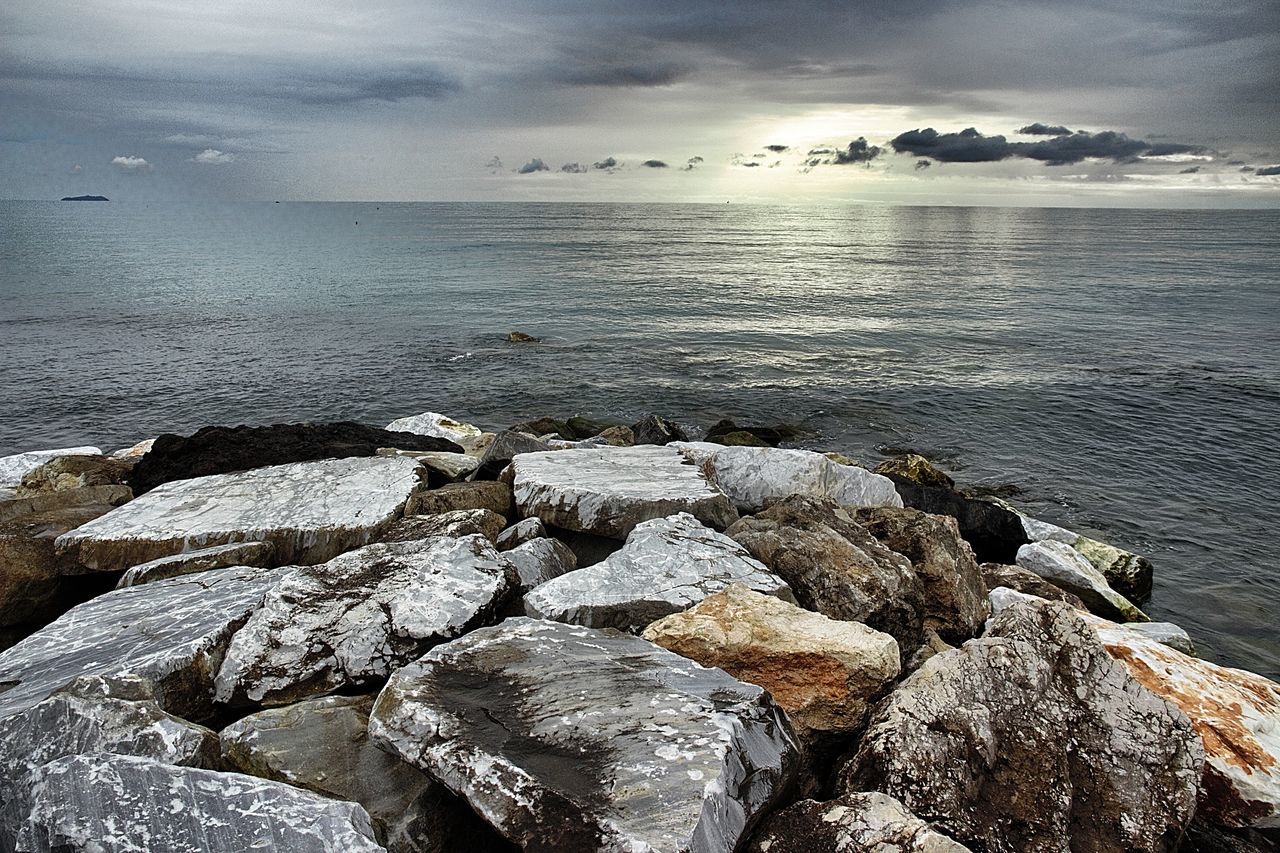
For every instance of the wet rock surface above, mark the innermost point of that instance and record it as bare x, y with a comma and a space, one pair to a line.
667, 565
653, 429
916, 469
354, 619
679, 757
854, 823
308, 511
200, 560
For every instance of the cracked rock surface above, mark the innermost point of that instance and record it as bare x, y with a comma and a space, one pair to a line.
855, 823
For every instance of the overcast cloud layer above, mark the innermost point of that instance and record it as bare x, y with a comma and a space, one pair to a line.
954, 101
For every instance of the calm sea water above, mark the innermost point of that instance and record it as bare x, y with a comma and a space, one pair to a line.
1123, 367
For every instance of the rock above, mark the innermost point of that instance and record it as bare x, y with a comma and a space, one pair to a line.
1236, 713
741, 438
454, 525
771, 436
835, 567
14, 468
1167, 634
15, 508
652, 429
1126, 572
1064, 566
917, 469
491, 495
442, 467
1162, 632
520, 533
521, 338
545, 427
1017, 578
954, 597
201, 560
993, 530
1205, 838
351, 621
588, 548
618, 436
841, 459
122, 804
134, 452
609, 491
1032, 738
173, 632
754, 476
308, 511
824, 673
438, 425
223, 450
323, 745
640, 749
540, 560
854, 823
505, 447
63, 473
667, 565
581, 427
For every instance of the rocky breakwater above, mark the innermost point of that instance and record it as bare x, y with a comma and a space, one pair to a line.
589, 637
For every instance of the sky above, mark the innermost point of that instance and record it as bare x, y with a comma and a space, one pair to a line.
1168, 103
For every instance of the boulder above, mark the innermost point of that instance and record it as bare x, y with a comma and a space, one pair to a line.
640, 749
1165, 633
824, 673
769, 436
540, 560
1162, 632
14, 508
441, 468
134, 452
652, 429
308, 511
741, 438
835, 567
608, 491
1016, 578
667, 565
917, 469
351, 621
521, 338
618, 436
953, 595
63, 473
1032, 738
520, 533
853, 823
993, 529
1063, 566
200, 560
438, 425
583, 427
755, 476
1126, 572
491, 495
454, 524
545, 427
506, 446
172, 632
14, 468
223, 450
123, 804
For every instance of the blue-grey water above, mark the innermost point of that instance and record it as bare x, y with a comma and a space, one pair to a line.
1123, 367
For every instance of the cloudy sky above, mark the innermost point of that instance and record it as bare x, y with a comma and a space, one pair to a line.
1164, 102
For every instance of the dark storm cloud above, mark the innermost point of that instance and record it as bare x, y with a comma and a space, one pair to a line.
654, 164
534, 165
391, 87
629, 75
1039, 129
606, 164
1190, 170
777, 149
574, 168
970, 146
923, 164
1268, 170
858, 151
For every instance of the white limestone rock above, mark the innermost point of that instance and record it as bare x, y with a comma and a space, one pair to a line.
441, 426
308, 511
609, 490
572, 738
449, 467
200, 560
357, 617
520, 533
172, 632
540, 560
14, 468
752, 476
124, 804
667, 565
1064, 566
1128, 573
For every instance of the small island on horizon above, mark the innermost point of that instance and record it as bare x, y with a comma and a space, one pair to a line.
84, 198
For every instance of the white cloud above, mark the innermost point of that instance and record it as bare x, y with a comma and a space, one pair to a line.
214, 157
130, 163
75, 170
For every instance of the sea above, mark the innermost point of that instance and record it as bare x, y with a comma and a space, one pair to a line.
1118, 369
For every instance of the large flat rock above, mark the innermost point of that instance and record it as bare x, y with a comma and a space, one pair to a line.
173, 632
200, 560
639, 750
608, 491
124, 804
667, 565
357, 617
308, 511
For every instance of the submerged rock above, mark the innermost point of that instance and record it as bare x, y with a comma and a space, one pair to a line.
354, 619
1032, 738
493, 496
123, 804
639, 750
1064, 566
540, 560
917, 469
854, 823
200, 560
453, 525
521, 338
822, 672
308, 511
754, 476
223, 450
667, 565
608, 491
438, 425
652, 429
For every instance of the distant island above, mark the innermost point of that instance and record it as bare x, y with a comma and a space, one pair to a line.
85, 198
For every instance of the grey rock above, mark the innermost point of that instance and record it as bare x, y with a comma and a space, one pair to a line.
1062, 565
667, 565
1032, 738
608, 491
1127, 573
453, 524
173, 632
540, 560
438, 425
1167, 634
64, 473
200, 560
354, 619
652, 429
309, 512
1017, 578
493, 496
506, 446
123, 804
443, 467
521, 532
639, 750
853, 823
